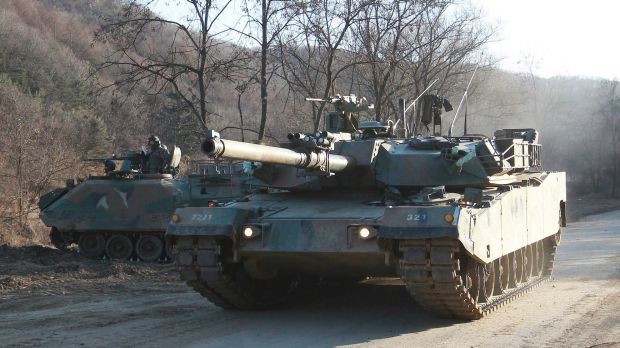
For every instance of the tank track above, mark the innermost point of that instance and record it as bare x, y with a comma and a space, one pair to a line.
204, 264
165, 257
431, 271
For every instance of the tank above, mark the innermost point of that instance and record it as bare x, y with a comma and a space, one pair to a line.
123, 214
467, 223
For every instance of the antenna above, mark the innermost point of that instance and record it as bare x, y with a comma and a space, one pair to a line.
465, 119
456, 115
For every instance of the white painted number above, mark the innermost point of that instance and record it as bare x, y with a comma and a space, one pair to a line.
416, 217
201, 217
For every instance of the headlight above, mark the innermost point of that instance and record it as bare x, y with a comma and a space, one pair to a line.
366, 232
250, 232
175, 218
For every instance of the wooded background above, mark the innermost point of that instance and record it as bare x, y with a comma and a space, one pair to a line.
91, 78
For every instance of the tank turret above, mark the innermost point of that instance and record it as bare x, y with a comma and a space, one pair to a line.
385, 161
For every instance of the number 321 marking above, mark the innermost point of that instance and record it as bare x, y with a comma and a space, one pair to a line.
416, 217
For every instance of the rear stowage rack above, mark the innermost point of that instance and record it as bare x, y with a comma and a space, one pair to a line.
519, 147
510, 151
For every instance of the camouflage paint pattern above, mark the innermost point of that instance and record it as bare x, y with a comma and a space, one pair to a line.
117, 205
142, 203
314, 228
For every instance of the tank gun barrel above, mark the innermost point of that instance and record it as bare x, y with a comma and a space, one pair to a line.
346, 103
126, 156
330, 100
322, 160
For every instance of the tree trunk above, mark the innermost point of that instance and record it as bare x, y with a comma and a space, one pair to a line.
19, 175
241, 117
263, 72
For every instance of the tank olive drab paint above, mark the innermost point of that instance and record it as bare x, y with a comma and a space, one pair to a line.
123, 214
468, 223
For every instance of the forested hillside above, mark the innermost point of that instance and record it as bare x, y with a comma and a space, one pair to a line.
55, 111
48, 114
578, 120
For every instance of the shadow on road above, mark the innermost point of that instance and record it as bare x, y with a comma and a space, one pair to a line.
330, 315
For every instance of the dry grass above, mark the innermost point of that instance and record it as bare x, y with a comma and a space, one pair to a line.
35, 233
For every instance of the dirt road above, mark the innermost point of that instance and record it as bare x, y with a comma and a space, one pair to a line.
55, 299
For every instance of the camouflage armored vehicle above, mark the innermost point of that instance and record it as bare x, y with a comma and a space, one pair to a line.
123, 214
467, 222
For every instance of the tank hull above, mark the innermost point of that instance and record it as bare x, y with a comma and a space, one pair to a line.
129, 215
318, 234
117, 205
313, 226
516, 216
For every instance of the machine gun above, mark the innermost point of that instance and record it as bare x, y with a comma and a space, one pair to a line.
135, 162
342, 120
131, 162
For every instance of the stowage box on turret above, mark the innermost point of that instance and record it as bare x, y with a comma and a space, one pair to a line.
123, 214
466, 222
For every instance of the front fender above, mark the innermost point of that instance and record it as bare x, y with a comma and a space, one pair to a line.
417, 222
203, 221
47, 199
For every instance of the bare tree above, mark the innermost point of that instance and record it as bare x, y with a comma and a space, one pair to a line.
241, 89
38, 149
312, 52
158, 53
384, 35
275, 16
407, 45
456, 38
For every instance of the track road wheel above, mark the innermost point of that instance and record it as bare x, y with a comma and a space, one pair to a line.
502, 275
517, 265
149, 247
529, 253
539, 263
119, 247
487, 281
92, 245
471, 279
